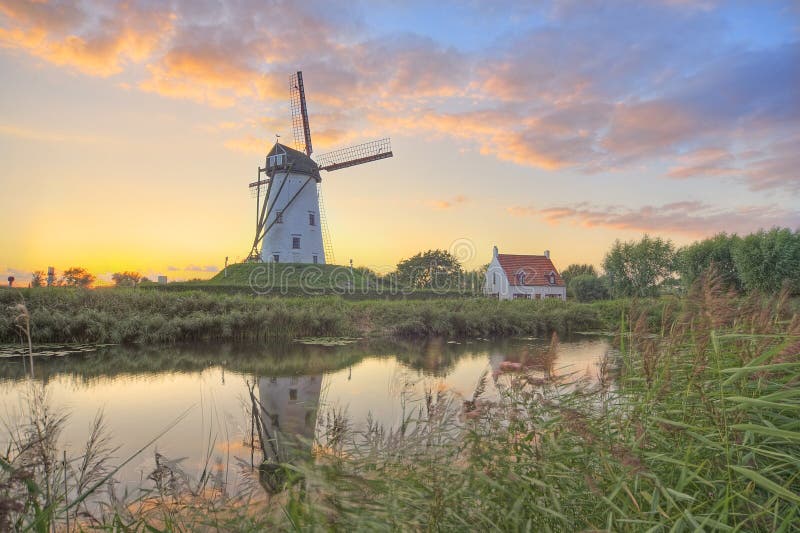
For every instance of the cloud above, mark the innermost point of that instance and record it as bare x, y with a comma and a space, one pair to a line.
704, 162
99, 43
661, 84
249, 144
690, 218
449, 203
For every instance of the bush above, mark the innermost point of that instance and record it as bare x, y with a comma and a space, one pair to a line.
588, 288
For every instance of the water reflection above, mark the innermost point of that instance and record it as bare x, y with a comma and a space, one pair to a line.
287, 423
291, 387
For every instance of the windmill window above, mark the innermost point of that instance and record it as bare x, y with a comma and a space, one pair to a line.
315, 259
276, 160
293, 394
279, 217
295, 243
494, 278
276, 258
312, 220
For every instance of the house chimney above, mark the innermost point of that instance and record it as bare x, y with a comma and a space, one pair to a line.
494, 252
547, 254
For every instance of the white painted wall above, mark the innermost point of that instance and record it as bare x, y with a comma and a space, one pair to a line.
496, 280
278, 239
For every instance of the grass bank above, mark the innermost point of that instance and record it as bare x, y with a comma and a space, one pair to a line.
691, 426
137, 316
298, 280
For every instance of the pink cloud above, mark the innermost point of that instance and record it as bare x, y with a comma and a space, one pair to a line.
449, 203
64, 34
588, 89
691, 218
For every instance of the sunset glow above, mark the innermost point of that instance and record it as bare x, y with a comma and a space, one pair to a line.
129, 131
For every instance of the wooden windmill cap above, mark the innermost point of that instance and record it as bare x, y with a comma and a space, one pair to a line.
299, 162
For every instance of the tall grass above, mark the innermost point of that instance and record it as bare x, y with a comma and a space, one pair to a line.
699, 431
128, 316
691, 424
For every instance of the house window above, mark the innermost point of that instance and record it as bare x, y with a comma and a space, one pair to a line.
494, 278
293, 395
274, 420
276, 258
295, 243
315, 259
520, 278
312, 219
552, 278
520, 296
279, 217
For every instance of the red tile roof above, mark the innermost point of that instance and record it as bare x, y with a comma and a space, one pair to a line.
537, 268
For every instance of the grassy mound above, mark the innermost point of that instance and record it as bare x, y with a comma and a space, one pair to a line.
290, 275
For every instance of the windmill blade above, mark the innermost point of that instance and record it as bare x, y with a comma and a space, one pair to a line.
356, 155
258, 188
297, 103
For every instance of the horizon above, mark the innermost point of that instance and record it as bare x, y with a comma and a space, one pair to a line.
129, 132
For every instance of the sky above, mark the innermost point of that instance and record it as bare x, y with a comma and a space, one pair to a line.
129, 131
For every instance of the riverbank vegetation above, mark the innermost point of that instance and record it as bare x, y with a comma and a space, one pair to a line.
136, 316
690, 424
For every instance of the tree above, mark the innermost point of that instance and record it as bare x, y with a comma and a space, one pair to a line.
693, 260
637, 268
768, 259
77, 277
126, 279
588, 288
434, 269
38, 278
577, 270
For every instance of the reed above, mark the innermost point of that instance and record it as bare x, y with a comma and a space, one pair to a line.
126, 316
699, 431
692, 424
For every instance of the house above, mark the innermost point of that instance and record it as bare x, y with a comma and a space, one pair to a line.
511, 276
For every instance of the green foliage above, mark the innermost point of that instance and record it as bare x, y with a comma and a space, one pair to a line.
77, 277
38, 278
126, 279
575, 270
588, 288
768, 259
695, 259
637, 268
434, 269
149, 316
691, 427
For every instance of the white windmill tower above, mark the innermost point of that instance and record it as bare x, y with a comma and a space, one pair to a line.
290, 223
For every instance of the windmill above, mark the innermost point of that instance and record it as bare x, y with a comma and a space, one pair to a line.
290, 223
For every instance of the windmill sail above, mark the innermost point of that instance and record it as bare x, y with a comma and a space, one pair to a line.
355, 155
297, 103
293, 227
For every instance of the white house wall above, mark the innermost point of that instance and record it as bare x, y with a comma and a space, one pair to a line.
496, 283
496, 280
278, 240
